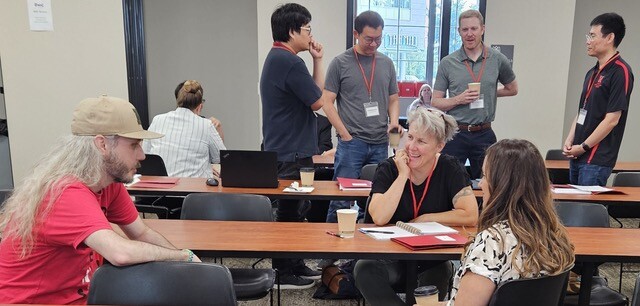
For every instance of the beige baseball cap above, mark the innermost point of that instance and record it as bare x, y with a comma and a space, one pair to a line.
108, 116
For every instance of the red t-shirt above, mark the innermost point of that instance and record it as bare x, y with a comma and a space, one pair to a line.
60, 267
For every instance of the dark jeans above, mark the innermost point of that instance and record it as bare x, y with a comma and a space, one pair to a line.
471, 145
379, 280
351, 156
588, 174
290, 210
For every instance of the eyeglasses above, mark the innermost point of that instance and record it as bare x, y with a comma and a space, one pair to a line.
590, 38
369, 40
306, 28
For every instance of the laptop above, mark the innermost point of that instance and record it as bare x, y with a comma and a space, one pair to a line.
250, 169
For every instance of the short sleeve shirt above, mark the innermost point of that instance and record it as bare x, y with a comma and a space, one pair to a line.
490, 255
611, 92
287, 90
60, 266
448, 179
453, 75
346, 80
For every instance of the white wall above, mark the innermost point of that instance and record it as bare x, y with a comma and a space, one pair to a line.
47, 73
541, 31
214, 42
586, 10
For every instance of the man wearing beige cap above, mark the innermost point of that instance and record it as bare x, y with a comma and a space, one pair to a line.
56, 225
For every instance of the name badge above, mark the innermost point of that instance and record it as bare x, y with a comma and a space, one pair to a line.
477, 103
581, 116
371, 109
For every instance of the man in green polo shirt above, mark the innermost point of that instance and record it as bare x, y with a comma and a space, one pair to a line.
473, 108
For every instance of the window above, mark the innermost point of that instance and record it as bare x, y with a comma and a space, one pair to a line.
414, 36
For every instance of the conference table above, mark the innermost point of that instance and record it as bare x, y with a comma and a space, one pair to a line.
310, 240
620, 166
323, 190
627, 195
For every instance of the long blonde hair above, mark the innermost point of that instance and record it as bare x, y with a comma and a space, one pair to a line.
519, 193
73, 158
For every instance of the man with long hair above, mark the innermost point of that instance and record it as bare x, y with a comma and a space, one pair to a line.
56, 225
596, 134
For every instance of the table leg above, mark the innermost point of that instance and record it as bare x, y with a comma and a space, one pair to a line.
586, 278
411, 281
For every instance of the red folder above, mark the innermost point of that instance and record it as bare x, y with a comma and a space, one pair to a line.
349, 183
425, 242
157, 182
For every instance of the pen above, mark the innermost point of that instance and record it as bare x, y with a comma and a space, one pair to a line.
378, 232
333, 234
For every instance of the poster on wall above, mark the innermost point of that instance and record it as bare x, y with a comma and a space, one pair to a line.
507, 50
40, 17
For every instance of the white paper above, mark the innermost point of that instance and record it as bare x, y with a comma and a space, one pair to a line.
298, 189
432, 228
397, 232
591, 188
569, 191
40, 16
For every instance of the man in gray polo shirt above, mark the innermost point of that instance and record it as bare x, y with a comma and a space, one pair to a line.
474, 110
363, 81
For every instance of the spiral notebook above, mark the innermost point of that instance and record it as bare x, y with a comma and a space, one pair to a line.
403, 229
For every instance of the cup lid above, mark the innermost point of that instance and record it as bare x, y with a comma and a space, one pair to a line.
425, 290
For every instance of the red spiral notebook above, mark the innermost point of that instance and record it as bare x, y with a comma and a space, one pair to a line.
157, 182
426, 242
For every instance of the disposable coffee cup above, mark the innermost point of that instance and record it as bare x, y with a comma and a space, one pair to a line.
474, 86
394, 138
347, 222
426, 296
306, 176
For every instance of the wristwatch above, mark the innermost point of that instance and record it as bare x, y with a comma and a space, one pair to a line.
585, 147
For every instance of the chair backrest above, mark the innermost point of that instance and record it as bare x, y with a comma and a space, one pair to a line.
152, 165
368, 172
579, 214
555, 154
163, 283
626, 179
4, 194
226, 207
546, 290
635, 299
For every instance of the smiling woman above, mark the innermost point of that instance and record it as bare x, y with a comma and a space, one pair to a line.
417, 185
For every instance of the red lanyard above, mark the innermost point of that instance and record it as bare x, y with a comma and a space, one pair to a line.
279, 45
594, 78
367, 83
484, 61
416, 206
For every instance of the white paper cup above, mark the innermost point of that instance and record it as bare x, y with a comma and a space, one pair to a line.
426, 296
347, 222
474, 86
306, 177
394, 138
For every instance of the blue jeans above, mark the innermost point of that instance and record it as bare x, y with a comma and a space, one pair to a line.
351, 156
588, 174
471, 145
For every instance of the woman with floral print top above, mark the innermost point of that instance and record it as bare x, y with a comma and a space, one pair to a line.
519, 233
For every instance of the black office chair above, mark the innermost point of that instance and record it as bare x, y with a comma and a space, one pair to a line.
557, 176
578, 214
162, 283
249, 284
368, 172
162, 206
635, 299
4, 194
546, 290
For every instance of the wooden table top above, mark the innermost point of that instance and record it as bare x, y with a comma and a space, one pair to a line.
324, 190
631, 195
619, 167
310, 240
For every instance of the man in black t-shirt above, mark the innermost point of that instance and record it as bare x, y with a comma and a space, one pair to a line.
594, 140
289, 97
